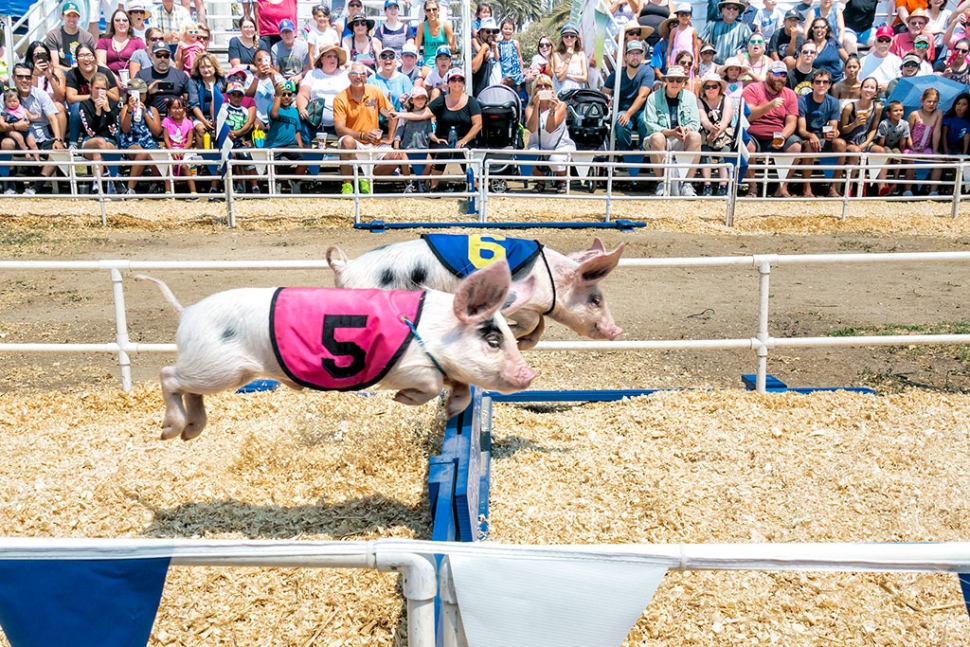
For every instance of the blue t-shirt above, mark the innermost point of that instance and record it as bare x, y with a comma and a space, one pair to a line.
818, 114
629, 88
282, 130
394, 87
956, 128
828, 59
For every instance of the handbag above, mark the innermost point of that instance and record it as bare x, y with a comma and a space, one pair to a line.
314, 112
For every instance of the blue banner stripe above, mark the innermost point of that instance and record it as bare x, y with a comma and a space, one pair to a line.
82, 603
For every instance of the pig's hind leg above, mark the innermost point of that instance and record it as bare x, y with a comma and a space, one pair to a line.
195, 416
175, 419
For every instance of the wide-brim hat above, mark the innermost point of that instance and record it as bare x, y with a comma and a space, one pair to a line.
667, 25
341, 54
713, 77
358, 17
734, 61
676, 72
137, 5
737, 3
918, 13
645, 30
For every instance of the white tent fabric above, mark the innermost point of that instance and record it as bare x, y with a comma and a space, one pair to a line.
551, 602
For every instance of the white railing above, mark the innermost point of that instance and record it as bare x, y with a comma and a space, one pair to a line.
415, 560
761, 342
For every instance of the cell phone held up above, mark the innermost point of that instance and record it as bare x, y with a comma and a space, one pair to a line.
545, 95
166, 86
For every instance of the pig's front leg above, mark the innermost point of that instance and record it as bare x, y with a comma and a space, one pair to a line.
458, 399
524, 322
195, 416
174, 421
530, 339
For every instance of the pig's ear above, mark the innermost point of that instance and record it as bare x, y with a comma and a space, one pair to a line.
481, 294
336, 259
597, 268
519, 295
595, 249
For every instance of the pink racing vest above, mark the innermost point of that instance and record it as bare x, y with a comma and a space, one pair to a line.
341, 340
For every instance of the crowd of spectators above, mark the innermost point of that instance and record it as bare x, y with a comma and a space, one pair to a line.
813, 79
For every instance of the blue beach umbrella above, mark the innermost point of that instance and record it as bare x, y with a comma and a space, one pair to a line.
909, 90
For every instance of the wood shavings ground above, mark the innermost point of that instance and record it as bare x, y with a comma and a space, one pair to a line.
695, 466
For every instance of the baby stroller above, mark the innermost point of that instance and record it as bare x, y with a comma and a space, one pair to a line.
501, 128
589, 123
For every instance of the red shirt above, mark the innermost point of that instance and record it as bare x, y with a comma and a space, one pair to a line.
773, 121
271, 12
903, 44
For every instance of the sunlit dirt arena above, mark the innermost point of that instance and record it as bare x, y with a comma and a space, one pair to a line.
84, 459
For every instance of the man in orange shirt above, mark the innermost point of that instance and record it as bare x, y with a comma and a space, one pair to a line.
356, 117
903, 9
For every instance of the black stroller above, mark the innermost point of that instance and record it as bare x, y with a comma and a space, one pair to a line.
501, 129
588, 117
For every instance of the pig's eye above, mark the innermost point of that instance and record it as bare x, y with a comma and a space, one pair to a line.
595, 300
493, 340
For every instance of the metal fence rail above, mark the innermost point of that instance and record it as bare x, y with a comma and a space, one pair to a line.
761, 341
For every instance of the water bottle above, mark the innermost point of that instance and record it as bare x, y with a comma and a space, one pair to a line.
453, 137
207, 140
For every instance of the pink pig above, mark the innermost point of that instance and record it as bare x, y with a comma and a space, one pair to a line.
566, 287
436, 340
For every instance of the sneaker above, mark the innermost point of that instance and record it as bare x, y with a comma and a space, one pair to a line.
660, 190
295, 188
409, 187
687, 190
422, 188
194, 197
95, 188
30, 191
130, 192
10, 192
111, 188
708, 191
721, 190
256, 190
675, 189
347, 189
364, 186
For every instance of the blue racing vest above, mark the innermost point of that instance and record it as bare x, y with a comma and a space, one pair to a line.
462, 255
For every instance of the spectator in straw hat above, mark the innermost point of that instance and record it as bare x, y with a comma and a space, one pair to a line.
321, 85
636, 82
905, 42
673, 124
729, 35
139, 12
716, 111
774, 110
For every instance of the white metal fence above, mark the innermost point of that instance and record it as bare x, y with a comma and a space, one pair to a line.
761, 341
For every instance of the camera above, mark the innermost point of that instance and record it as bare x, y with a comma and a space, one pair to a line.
166, 86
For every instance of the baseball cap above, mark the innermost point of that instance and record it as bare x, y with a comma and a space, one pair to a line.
160, 46
778, 67
409, 48
418, 91
390, 3
137, 85
922, 38
911, 59
708, 48
684, 7
443, 50
287, 25
793, 13
234, 86
239, 69
387, 49
569, 27
455, 73
635, 45
885, 32
70, 7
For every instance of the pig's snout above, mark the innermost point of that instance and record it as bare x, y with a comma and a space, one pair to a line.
610, 332
519, 378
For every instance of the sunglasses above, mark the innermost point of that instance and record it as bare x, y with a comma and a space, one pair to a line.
286, 94
884, 40
136, 12
163, 55
155, 39
713, 86
545, 44
730, 8
961, 51
905, 65
821, 82
204, 39
565, 36
121, 20
780, 75
431, 10
921, 45
756, 41
387, 57
23, 77
808, 52
356, 73
358, 24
